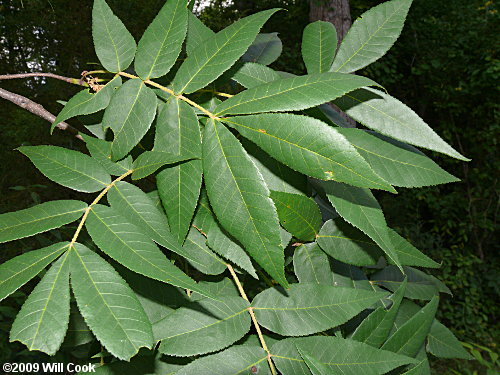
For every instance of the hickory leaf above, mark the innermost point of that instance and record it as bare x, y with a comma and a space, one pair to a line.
396, 162
161, 43
252, 74
68, 168
150, 161
381, 112
114, 45
298, 214
319, 43
129, 114
43, 320
128, 245
340, 356
19, 270
292, 94
121, 326
311, 265
235, 185
292, 140
101, 151
218, 53
203, 327
360, 208
265, 49
39, 218
325, 307
85, 102
197, 32
371, 36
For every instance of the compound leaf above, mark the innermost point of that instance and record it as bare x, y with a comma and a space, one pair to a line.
204, 326
69, 168
339, 356
161, 43
129, 114
108, 305
19, 270
85, 102
371, 36
128, 245
43, 320
298, 214
39, 218
292, 94
294, 141
218, 53
381, 112
114, 45
319, 43
310, 308
240, 199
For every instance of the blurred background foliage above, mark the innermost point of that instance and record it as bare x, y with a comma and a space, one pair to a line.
445, 66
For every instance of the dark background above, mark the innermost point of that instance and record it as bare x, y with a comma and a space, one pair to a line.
445, 66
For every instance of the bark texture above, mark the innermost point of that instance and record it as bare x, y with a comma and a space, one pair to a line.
334, 11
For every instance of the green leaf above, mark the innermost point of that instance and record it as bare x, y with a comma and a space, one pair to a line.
408, 339
217, 239
78, 332
310, 308
200, 256
292, 94
360, 208
114, 45
142, 364
178, 131
109, 306
346, 275
69, 168
308, 146
311, 265
375, 328
251, 74
420, 285
179, 188
129, 114
138, 208
203, 327
381, 112
234, 185
278, 176
298, 214
314, 365
128, 245
236, 360
161, 43
397, 163
19, 270
197, 32
150, 161
265, 49
340, 356
85, 102
39, 218
371, 36
442, 343
101, 151
347, 244
43, 320
319, 43
408, 255
218, 53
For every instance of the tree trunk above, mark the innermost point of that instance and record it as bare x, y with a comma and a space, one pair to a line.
334, 11
338, 13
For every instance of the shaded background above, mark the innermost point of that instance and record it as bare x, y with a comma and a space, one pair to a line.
445, 66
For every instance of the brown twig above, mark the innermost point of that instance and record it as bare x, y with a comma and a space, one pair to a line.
75, 81
37, 109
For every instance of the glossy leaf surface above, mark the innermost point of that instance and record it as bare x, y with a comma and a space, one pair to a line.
319, 43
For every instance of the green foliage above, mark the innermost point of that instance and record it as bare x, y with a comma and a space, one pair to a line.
229, 214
